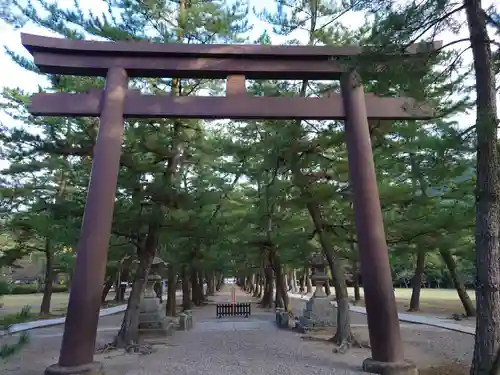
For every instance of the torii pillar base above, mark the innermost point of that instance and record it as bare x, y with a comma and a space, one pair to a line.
93, 368
389, 368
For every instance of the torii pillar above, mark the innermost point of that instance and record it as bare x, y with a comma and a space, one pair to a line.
78, 343
381, 310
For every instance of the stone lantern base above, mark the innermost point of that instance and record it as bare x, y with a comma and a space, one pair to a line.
319, 311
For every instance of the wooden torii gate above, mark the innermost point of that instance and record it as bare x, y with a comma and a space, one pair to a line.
118, 61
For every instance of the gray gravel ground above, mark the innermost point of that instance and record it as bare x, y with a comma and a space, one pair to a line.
213, 347
241, 346
238, 346
423, 344
259, 351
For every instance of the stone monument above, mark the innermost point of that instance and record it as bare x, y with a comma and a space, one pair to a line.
319, 311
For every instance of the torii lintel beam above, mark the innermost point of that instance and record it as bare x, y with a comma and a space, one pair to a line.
234, 107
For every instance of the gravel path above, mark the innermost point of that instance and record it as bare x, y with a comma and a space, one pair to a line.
236, 346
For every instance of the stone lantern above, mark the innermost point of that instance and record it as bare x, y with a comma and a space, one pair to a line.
318, 274
153, 278
319, 311
151, 310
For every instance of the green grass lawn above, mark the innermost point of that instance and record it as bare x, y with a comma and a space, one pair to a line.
12, 304
432, 301
19, 300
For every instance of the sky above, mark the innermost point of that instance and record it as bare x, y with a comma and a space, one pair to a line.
12, 75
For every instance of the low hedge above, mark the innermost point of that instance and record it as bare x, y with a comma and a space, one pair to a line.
34, 288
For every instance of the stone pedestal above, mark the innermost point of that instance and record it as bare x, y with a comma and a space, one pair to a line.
152, 317
185, 321
282, 318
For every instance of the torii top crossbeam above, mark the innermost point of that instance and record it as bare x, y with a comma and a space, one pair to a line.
146, 59
232, 62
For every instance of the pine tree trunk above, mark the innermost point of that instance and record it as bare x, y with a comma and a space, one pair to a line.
487, 342
327, 288
250, 283
194, 286
355, 274
303, 281
261, 285
210, 284
196, 289
122, 279
220, 282
281, 292
117, 282
459, 285
343, 335
201, 284
171, 306
107, 287
186, 289
128, 334
122, 289
309, 285
278, 301
49, 255
49, 279
286, 281
256, 290
417, 281
294, 281
158, 290
267, 298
